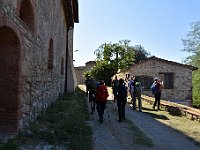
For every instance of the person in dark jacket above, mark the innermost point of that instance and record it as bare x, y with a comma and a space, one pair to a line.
114, 87
121, 99
92, 93
157, 93
101, 99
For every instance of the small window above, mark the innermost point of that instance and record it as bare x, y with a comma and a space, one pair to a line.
168, 80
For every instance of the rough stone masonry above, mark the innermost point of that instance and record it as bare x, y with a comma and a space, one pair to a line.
36, 64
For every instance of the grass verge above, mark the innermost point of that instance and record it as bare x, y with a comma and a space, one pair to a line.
190, 128
63, 123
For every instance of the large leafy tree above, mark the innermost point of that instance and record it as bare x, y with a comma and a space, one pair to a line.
114, 56
192, 45
140, 53
119, 55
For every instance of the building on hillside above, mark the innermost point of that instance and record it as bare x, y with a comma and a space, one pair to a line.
36, 64
81, 69
177, 78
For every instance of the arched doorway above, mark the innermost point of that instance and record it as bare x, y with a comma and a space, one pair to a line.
27, 14
9, 80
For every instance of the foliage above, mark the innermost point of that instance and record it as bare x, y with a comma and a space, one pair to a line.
87, 74
192, 45
103, 71
140, 53
119, 55
111, 57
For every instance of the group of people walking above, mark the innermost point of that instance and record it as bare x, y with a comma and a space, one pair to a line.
97, 93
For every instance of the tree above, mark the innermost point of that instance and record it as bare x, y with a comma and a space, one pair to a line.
102, 71
119, 55
140, 53
114, 56
192, 45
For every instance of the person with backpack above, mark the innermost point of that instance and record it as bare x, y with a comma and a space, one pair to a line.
92, 93
87, 84
121, 99
114, 88
137, 95
101, 99
156, 89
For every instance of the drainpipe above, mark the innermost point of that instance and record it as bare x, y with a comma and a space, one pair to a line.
66, 60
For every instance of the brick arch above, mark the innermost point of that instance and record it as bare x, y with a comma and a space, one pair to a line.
9, 79
26, 13
50, 55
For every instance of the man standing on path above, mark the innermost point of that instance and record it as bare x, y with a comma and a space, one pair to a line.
101, 99
156, 88
92, 92
114, 87
137, 95
131, 85
121, 99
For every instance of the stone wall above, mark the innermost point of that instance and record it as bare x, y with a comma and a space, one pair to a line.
182, 77
80, 71
41, 42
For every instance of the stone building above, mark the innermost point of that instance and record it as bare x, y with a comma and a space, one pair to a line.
80, 71
177, 77
36, 64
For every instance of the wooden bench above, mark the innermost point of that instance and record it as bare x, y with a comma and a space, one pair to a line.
194, 115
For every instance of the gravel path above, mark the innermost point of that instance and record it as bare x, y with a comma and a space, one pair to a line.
112, 135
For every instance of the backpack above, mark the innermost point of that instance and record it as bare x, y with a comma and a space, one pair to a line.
154, 88
138, 87
101, 93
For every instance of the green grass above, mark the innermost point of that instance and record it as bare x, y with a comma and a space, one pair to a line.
63, 122
190, 128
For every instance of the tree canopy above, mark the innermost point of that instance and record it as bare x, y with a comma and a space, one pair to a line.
192, 45
113, 56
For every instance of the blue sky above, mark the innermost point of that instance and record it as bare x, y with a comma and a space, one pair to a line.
158, 25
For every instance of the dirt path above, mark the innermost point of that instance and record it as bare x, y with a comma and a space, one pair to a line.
117, 136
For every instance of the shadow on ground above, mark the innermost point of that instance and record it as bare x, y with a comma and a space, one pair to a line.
156, 116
